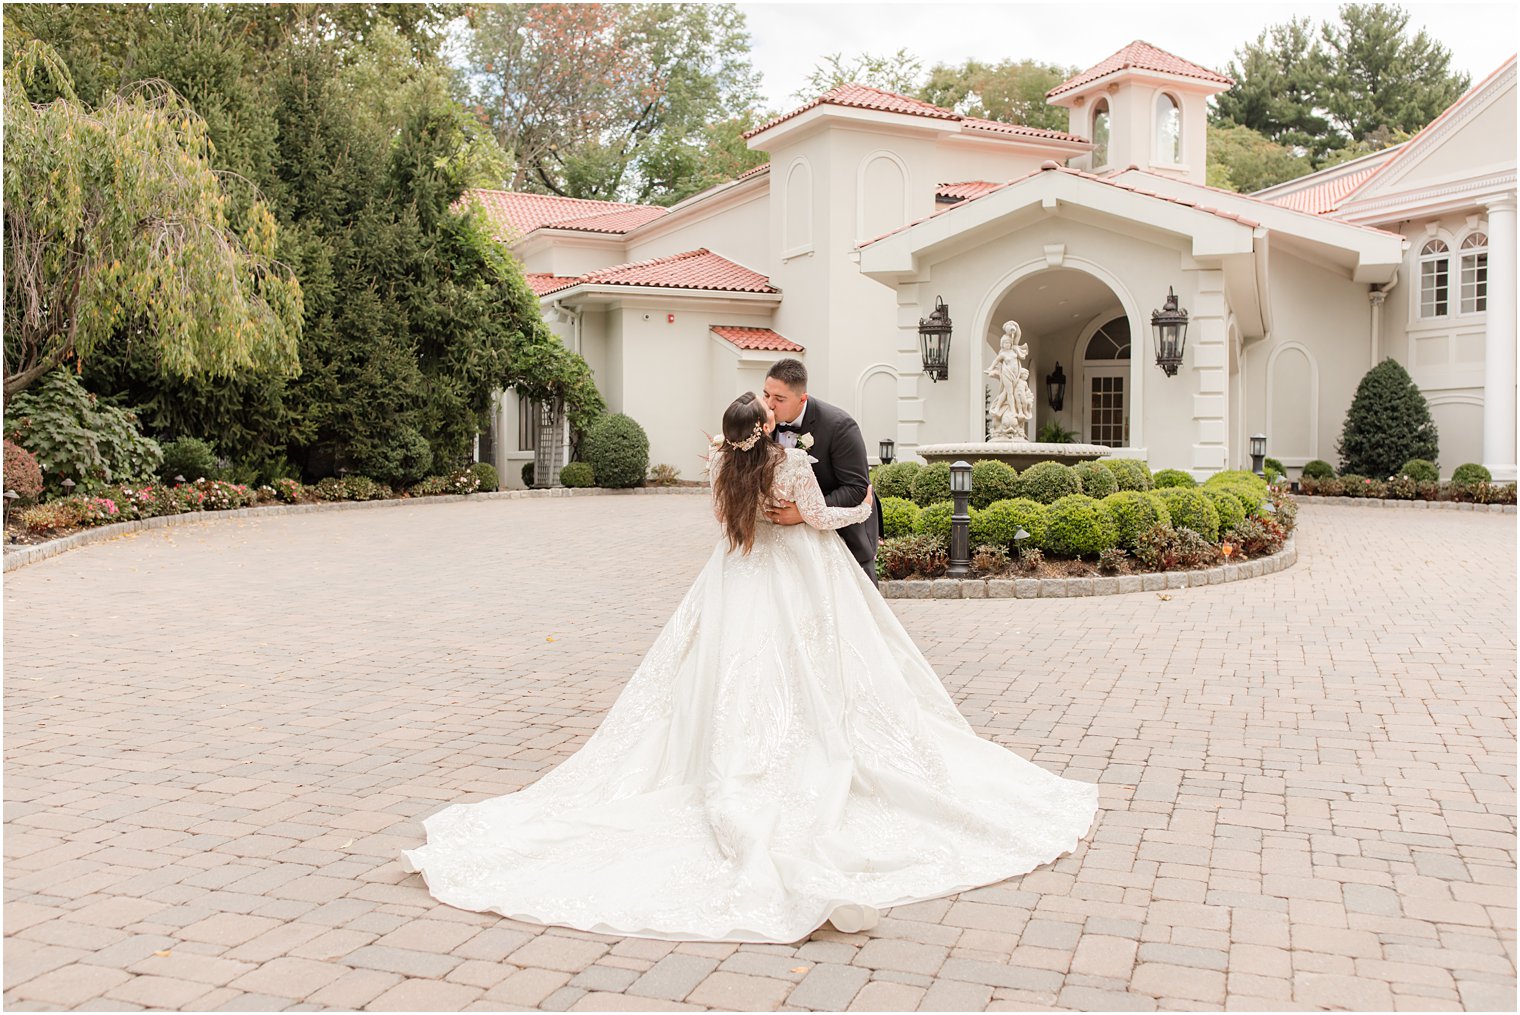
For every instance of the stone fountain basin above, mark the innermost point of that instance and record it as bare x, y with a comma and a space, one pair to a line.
1019, 454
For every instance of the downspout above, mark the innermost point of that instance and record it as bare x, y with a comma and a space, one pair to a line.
1376, 296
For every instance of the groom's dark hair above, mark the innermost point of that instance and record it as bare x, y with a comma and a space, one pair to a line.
790, 372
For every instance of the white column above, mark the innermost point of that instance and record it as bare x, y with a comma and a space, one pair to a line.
1499, 342
1208, 349
910, 372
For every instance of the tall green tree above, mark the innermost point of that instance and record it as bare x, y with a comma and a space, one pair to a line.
613, 102
899, 72
1243, 160
1012, 91
1380, 77
1278, 88
114, 217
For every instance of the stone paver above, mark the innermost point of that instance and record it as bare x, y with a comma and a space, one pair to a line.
218, 737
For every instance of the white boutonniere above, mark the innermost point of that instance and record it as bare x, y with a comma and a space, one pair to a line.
805, 441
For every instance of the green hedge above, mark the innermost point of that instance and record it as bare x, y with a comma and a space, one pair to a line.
1047, 482
1228, 505
895, 480
899, 516
1470, 474
488, 476
932, 484
1421, 470
617, 449
577, 475
934, 520
991, 481
1097, 482
1318, 468
1130, 473
1169, 478
1081, 526
1135, 512
1189, 508
999, 522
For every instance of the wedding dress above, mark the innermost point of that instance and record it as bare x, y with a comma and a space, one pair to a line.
783, 749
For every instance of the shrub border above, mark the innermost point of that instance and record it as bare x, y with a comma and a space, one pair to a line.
20, 556
1067, 588
1379, 502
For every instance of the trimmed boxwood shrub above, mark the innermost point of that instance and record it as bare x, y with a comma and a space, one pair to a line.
1047, 482
895, 480
190, 457
1135, 512
899, 517
1097, 482
617, 449
934, 520
1227, 505
1318, 468
1000, 521
932, 484
1080, 525
1271, 465
577, 475
1190, 509
1387, 424
527, 474
1168, 478
489, 478
1470, 474
23, 475
1421, 470
991, 481
1130, 473
1248, 487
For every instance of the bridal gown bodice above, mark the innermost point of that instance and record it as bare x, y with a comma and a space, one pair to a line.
782, 749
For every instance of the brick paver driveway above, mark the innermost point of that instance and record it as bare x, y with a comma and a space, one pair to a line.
218, 737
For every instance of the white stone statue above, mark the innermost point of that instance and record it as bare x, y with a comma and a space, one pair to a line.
1013, 405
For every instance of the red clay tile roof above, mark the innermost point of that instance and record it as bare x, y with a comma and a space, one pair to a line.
1141, 56
1020, 130
765, 168
695, 269
763, 339
516, 214
543, 284
1052, 167
1327, 195
864, 97
961, 191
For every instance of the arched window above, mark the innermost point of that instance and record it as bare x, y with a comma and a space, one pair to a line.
1110, 341
1474, 274
1435, 279
1168, 130
1100, 134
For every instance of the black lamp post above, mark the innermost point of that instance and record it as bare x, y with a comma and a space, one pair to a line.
1258, 453
934, 341
1055, 387
888, 445
1170, 326
960, 521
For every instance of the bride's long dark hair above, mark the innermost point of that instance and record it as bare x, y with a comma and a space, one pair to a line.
744, 476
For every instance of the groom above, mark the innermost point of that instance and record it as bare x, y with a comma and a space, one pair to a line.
837, 450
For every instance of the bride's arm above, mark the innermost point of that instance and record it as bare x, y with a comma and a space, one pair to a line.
810, 502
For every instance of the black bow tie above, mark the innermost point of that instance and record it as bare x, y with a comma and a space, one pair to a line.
788, 428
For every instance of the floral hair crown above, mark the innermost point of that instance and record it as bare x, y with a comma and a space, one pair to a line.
744, 445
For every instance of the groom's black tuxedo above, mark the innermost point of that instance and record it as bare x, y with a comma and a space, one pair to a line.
843, 474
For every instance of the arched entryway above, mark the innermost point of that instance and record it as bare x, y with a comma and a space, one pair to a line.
1072, 318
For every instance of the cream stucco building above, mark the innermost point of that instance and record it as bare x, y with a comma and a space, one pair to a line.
874, 206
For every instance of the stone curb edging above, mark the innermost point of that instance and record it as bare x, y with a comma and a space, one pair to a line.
20, 557
1066, 588
1384, 502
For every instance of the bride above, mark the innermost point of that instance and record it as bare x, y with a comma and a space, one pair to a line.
783, 756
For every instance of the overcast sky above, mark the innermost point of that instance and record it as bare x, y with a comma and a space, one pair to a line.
789, 39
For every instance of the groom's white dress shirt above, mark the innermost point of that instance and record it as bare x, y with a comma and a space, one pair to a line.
788, 438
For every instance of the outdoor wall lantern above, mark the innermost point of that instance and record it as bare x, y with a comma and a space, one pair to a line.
1258, 453
960, 521
934, 341
1055, 387
1170, 325
888, 447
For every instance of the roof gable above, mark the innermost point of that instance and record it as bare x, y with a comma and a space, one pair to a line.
514, 214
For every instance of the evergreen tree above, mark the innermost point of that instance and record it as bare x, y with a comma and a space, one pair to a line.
1388, 424
1012, 91
1278, 88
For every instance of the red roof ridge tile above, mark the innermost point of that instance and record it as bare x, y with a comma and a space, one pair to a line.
1140, 55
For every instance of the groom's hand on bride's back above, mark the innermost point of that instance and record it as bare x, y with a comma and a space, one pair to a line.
783, 512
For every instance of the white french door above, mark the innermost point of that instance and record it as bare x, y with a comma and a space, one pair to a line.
1105, 412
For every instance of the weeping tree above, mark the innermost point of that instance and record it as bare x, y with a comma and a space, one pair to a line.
116, 225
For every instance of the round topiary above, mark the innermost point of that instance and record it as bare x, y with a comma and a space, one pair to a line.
895, 480
1388, 423
1174, 478
1249, 488
991, 480
1470, 474
397, 455
899, 516
488, 476
1047, 482
23, 476
934, 520
1097, 482
1190, 509
1227, 505
1421, 470
1080, 525
1130, 473
932, 484
617, 449
1273, 465
998, 524
577, 475
1135, 512
1318, 468
190, 457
